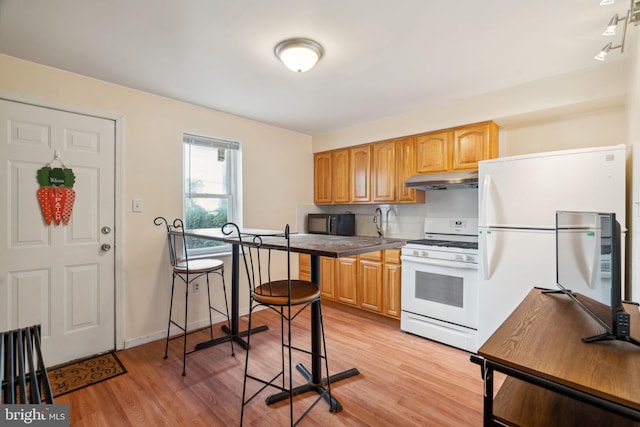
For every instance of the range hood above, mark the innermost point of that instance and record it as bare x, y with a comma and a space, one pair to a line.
444, 180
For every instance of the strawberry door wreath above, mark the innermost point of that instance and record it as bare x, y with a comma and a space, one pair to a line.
56, 194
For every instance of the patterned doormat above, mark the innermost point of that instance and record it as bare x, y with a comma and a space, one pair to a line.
83, 373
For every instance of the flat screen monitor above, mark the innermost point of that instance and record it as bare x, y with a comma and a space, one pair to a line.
588, 264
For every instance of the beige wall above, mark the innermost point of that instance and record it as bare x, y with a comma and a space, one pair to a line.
276, 173
597, 95
583, 130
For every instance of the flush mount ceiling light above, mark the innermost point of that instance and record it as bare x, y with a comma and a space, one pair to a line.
606, 2
299, 54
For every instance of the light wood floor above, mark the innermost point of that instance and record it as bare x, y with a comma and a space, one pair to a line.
404, 381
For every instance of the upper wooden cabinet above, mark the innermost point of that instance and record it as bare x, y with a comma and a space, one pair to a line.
474, 143
405, 167
433, 152
376, 173
322, 178
361, 174
384, 172
341, 176
332, 177
372, 173
456, 149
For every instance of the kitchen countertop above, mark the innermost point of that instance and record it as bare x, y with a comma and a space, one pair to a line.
341, 246
312, 244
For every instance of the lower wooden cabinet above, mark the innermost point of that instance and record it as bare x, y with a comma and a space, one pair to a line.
345, 279
370, 282
391, 284
327, 274
327, 278
304, 265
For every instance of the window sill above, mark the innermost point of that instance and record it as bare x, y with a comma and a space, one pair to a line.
210, 255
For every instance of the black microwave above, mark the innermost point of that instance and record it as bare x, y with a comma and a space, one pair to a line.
337, 224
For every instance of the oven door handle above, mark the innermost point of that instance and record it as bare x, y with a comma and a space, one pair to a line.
438, 262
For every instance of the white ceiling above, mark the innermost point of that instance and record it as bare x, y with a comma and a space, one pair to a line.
381, 57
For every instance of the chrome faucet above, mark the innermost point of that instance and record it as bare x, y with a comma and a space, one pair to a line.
377, 220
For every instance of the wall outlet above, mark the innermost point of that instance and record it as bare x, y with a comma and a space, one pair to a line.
196, 287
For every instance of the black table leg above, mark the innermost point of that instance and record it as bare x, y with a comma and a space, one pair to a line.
486, 372
488, 397
234, 334
315, 381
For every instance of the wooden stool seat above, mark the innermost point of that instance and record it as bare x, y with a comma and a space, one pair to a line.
277, 292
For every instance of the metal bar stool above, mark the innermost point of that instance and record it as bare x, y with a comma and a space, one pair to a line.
188, 271
23, 374
288, 297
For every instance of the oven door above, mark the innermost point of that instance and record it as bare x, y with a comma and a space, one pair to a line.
443, 290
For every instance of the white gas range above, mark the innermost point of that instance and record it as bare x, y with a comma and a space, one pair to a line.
440, 283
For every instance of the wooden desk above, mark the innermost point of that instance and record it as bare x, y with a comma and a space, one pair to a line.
315, 245
539, 345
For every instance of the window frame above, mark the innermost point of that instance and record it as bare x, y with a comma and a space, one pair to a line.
233, 176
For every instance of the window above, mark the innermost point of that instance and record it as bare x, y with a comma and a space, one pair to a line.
210, 187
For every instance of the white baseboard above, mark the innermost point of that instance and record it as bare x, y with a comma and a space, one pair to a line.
160, 335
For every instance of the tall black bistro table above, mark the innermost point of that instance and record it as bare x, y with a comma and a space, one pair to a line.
315, 245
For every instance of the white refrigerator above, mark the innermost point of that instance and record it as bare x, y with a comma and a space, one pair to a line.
518, 200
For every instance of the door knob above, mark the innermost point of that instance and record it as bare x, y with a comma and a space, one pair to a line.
106, 247
106, 230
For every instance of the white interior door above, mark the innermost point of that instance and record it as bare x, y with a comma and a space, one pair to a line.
59, 276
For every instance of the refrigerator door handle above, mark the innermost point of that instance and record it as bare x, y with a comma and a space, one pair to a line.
484, 203
484, 257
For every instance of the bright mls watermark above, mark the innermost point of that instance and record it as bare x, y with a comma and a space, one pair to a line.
34, 415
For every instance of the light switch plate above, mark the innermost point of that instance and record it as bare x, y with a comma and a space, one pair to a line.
137, 205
